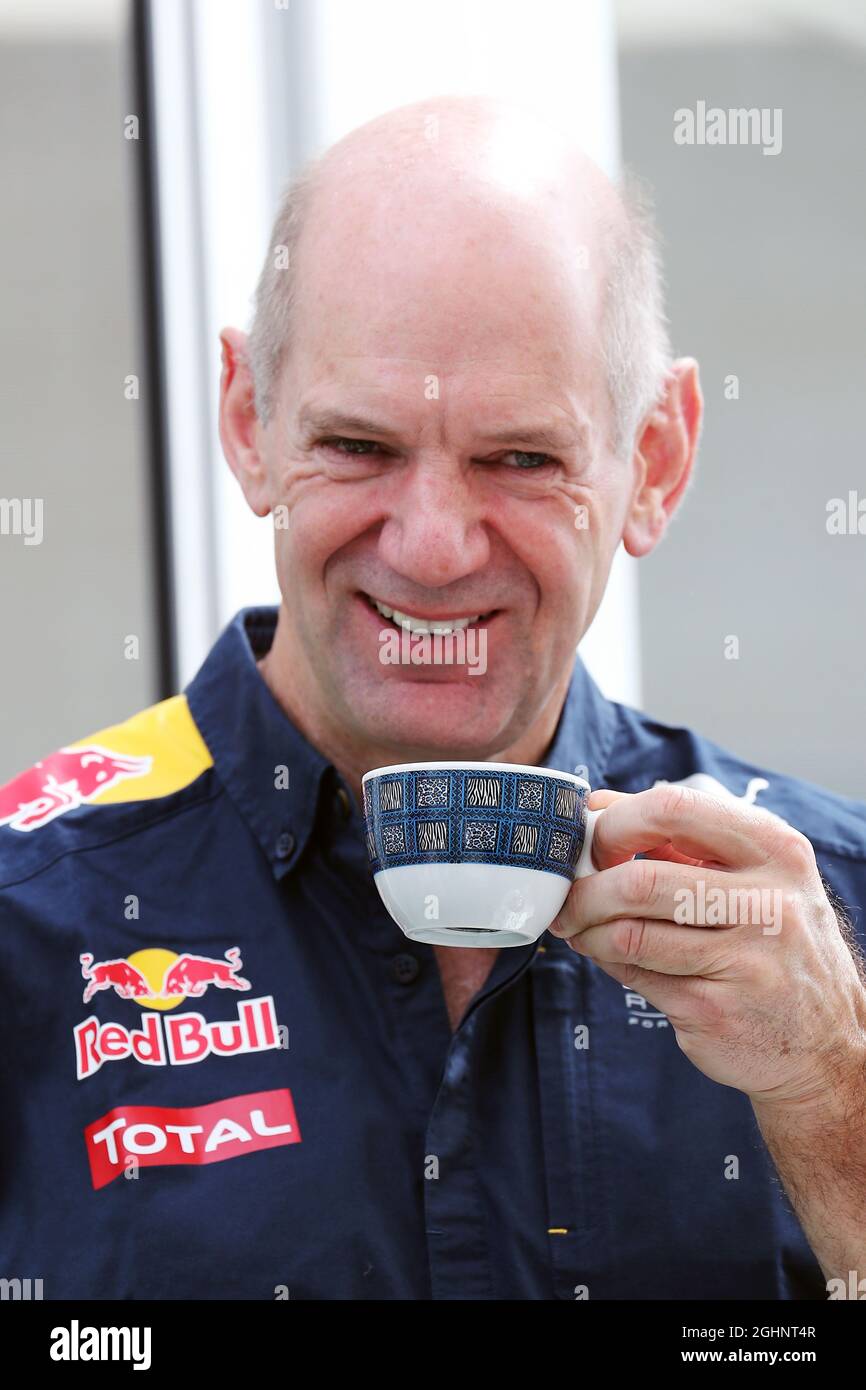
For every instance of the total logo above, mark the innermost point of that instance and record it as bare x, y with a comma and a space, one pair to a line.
145, 1135
160, 981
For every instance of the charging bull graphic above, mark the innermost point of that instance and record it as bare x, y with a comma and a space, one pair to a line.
191, 975
118, 975
65, 780
145, 976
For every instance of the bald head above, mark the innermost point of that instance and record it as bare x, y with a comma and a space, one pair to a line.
437, 189
483, 147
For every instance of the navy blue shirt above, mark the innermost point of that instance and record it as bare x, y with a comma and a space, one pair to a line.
224, 1072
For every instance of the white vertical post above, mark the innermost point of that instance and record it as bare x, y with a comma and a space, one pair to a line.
181, 325
214, 212
237, 213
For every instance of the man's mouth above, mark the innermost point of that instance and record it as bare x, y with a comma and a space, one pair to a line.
413, 622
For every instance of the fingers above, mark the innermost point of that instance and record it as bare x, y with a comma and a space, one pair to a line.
605, 796
676, 996
639, 888
700, 828
660, 947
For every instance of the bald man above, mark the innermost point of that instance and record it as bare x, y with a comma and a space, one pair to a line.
456, 400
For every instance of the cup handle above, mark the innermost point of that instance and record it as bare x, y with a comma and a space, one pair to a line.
585, 866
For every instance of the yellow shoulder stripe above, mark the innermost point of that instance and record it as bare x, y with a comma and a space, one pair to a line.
168, 750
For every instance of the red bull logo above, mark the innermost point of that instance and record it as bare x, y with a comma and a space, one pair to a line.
178, 1040
185, 976
67, 779
159, 980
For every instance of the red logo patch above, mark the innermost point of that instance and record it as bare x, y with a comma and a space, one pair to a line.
156, 1134
69, 778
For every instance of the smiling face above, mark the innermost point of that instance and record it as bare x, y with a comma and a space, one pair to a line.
439, 447
439, 423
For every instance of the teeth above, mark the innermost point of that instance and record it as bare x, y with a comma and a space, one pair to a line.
439, 625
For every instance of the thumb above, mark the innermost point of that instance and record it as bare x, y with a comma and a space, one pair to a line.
606, 796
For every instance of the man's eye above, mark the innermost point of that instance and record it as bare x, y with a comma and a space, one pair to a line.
353, 446
534, 460
363, 448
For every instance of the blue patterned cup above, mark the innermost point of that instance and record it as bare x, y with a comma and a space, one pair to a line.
476, 854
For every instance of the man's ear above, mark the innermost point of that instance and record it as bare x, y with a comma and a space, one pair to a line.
663, 458
239, 424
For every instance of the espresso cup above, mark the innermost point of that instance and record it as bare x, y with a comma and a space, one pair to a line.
476, 854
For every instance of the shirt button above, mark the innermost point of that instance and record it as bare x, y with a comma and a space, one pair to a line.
285, 845
405, 968
343, 802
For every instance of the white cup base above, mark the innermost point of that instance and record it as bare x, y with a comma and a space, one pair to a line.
472, 904
469, 936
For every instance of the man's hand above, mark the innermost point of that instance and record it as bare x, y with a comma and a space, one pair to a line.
760, 987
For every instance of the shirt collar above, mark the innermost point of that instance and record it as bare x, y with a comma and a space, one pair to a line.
257, 749
585, 732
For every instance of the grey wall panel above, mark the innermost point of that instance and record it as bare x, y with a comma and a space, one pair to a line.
767, 279
70, 294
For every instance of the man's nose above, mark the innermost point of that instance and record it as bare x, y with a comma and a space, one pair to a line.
434, 533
